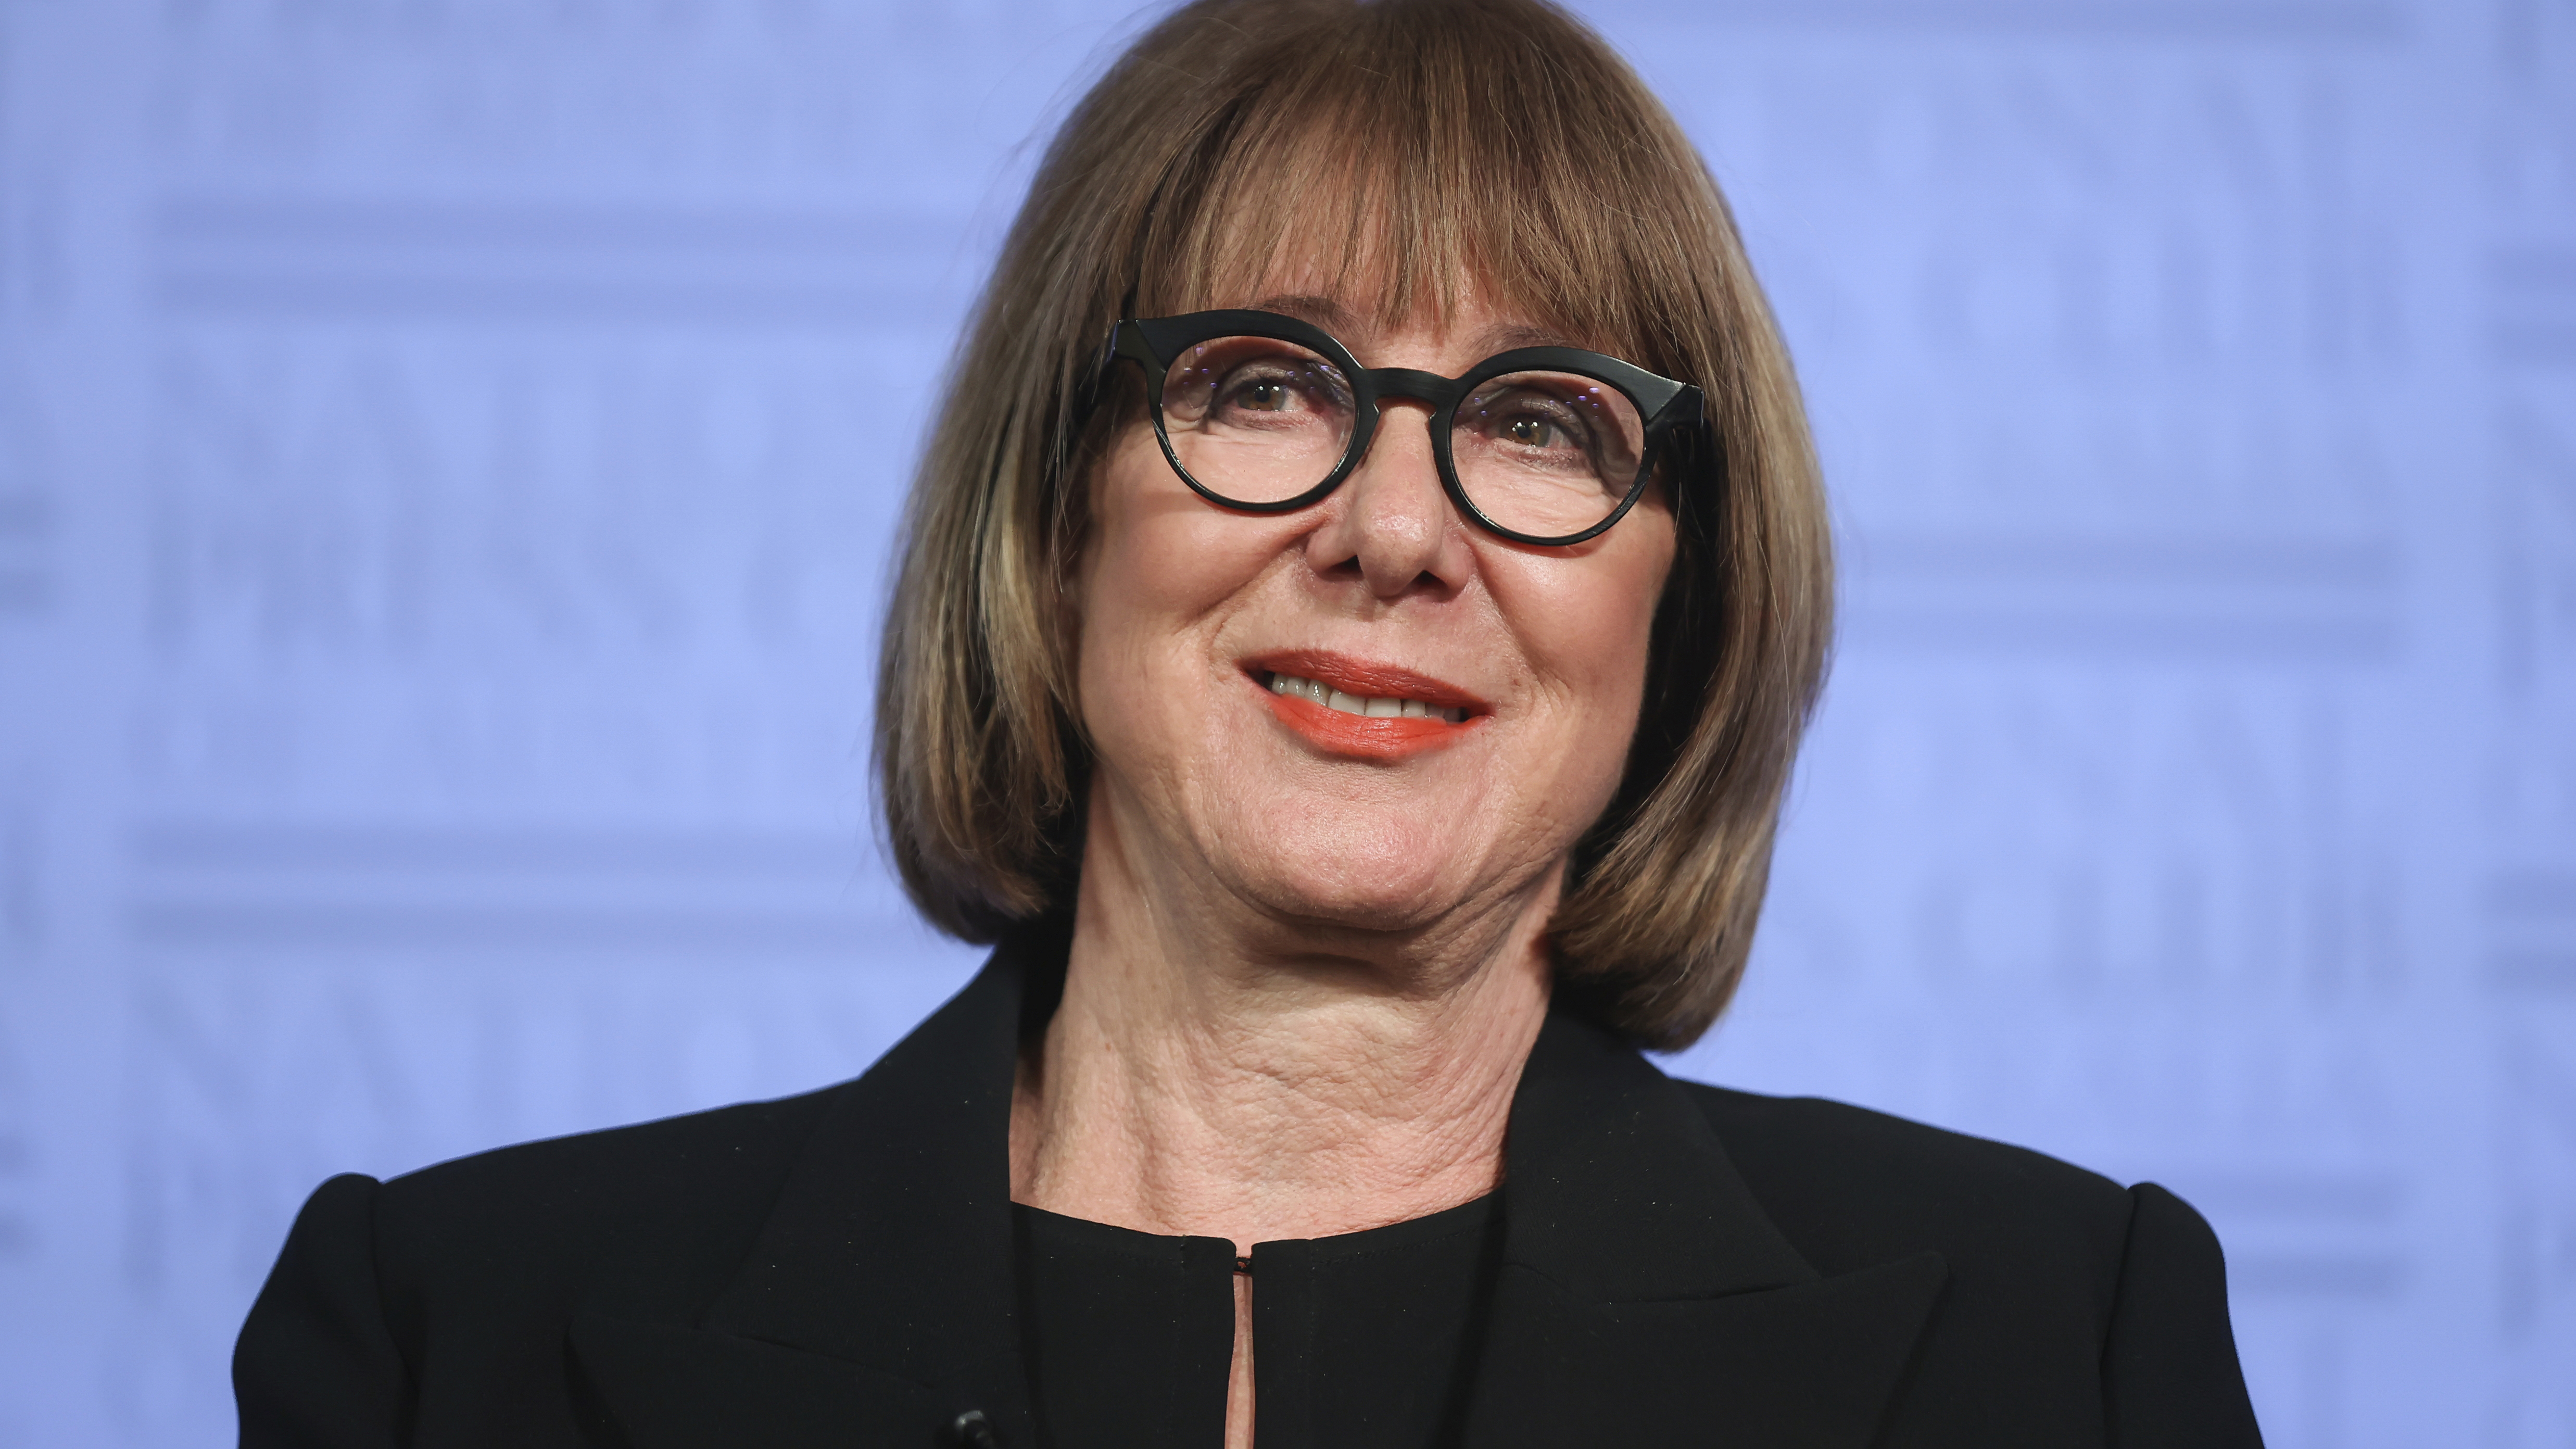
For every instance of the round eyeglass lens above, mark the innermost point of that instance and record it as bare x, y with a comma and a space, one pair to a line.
1547, 454
1255, 419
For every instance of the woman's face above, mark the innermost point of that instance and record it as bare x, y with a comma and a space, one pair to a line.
1192, 616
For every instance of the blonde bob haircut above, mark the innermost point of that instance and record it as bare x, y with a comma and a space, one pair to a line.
1428, 145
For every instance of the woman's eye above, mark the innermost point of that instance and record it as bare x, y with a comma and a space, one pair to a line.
1264, 397
1539, 430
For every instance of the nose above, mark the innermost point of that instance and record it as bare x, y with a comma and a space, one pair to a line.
1390, 517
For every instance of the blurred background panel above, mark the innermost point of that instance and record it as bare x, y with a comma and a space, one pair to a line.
449, 451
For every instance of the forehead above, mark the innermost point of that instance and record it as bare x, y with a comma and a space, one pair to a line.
1472, 325
1364, 300
1314, 203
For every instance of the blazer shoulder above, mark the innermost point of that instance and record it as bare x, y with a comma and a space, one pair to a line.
1850, 1186
664, 1208
694, 1141
2058, 1276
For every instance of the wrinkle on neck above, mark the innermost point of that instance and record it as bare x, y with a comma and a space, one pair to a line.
1216, 1074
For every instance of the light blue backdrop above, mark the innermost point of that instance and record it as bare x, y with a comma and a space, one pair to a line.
447, 449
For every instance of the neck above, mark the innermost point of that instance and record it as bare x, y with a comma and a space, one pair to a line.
1256, 1083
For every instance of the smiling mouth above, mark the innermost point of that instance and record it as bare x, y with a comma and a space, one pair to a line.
1370, 707
1363, 710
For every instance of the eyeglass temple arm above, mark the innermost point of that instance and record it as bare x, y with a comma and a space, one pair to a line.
1114, 347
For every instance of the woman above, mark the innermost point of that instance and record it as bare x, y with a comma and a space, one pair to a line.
1359, 607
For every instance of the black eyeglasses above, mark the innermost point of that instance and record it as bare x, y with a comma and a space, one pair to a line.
1267, 413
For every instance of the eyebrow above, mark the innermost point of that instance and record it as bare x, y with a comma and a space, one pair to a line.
1324, 312
1335, 318
1521, 334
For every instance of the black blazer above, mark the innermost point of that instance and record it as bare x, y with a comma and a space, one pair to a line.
1680, 1265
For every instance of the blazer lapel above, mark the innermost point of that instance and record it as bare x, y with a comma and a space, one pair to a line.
1645, 1297
671, 1387
880, 1303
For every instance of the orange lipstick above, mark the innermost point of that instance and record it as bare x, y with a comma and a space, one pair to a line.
1368, 737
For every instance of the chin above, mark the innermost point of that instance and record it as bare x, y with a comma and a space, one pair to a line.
1368, 874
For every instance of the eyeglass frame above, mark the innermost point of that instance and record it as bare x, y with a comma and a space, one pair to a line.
1674, 413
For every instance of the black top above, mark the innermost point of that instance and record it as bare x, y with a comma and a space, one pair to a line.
1677, 1265
1360, 1341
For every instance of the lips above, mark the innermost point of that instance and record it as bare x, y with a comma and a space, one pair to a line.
1361, 708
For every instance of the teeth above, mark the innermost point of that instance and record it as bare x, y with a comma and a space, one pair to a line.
1331, 698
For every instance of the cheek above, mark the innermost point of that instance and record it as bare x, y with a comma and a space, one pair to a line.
1587, 622
1158, 571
